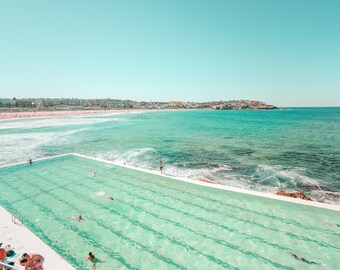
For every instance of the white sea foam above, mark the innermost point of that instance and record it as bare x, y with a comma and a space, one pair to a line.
132, 156
327, 196
99, 193
286, 176
18, 147
148, 158
264, 178
54, 122
293, 179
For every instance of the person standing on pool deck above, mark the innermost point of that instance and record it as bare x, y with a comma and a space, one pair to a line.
161, 166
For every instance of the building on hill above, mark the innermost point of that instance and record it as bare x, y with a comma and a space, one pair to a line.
7, 102
25, 103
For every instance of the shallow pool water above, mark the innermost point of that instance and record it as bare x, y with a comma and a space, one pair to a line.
160, 223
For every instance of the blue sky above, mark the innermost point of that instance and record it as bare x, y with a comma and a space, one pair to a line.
285, 53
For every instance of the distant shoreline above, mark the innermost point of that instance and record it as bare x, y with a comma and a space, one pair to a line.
26, 114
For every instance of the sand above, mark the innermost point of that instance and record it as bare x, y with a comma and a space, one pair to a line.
44, 114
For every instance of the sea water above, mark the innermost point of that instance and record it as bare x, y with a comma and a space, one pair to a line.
295, 149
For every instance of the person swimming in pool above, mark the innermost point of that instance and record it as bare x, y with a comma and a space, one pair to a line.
78, 218
331, 224
94, 260
107, 197
302, 259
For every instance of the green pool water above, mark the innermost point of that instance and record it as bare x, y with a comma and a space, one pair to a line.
160, 223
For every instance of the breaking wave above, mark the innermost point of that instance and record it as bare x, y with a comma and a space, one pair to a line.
55, 122
18, 147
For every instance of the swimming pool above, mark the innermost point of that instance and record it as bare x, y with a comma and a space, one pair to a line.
160, 223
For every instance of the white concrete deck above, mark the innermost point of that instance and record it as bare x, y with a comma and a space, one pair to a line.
23, 240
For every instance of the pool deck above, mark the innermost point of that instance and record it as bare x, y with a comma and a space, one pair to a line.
23, 240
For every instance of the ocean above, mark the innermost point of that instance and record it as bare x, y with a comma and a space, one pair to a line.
294, 149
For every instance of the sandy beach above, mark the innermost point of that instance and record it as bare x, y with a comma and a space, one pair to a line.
43, 114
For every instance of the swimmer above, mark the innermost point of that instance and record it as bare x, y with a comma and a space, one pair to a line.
29, 161
302, 259
107, 197
78, 218
94, 260
94, 174
331, 224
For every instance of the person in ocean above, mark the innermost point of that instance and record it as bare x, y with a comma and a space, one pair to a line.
94, 174
302, 259
29, 161
94, 260
161, 166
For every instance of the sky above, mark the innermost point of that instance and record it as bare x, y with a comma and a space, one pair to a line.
283, 52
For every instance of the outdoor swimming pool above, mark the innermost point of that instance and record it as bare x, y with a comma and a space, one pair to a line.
160, 223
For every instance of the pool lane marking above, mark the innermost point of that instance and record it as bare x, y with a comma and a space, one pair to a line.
147, 228
73, 229
221, 242
292, 235
145, 248
228, 244
229, 206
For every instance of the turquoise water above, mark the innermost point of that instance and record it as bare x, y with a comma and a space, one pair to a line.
297, 149
160, 223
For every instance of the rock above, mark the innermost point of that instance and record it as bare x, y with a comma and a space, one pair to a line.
294, 195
